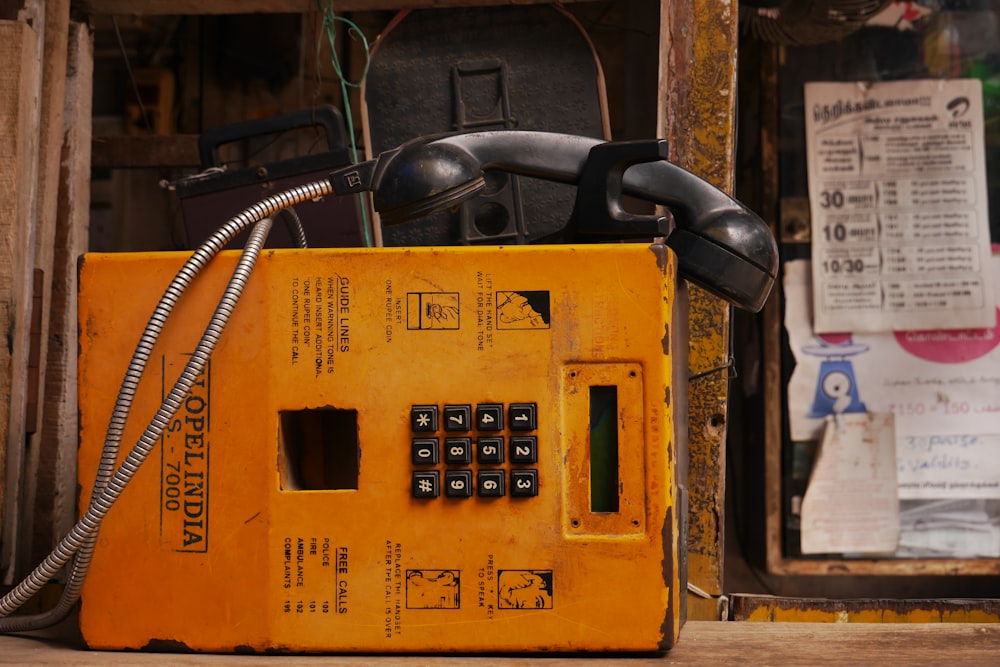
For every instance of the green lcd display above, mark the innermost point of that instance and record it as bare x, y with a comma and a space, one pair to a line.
604, 449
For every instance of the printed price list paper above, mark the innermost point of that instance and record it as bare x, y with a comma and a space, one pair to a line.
897, 191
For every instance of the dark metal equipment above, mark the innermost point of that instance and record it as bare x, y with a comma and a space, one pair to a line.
217, 194
485, 68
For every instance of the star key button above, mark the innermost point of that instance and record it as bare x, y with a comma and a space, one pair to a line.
424, 418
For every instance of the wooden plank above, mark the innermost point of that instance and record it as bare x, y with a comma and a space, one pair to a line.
868, 610
884, 567
194, 7
20, 50
56, 500
38, 475
696, 113
701, 643
771, 324
135, 151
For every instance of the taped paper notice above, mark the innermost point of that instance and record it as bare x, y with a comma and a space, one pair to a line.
851, 505
942, 386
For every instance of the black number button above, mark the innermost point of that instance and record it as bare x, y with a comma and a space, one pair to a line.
426, 484
489, 450
489, 417
458, 417
424, 451
458, 483
523, 416
458, 451
424, 418
524, 449
490, 483
524, 483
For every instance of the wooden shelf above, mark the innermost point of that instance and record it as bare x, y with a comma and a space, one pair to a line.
194, 7
701, 643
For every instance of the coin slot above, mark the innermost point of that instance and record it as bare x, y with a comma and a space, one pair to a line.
319, 449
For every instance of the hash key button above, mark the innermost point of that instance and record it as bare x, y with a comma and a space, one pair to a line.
426, 484
522, 416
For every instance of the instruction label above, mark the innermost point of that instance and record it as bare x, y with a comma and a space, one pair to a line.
320, 325
315, 576
897, 191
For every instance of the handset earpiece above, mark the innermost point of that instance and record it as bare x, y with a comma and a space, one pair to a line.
720, 244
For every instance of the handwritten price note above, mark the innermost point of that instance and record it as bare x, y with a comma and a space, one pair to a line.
948, 466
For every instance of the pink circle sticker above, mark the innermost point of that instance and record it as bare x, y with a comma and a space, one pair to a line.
949, 346
835, 338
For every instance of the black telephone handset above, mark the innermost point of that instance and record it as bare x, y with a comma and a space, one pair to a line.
720, 244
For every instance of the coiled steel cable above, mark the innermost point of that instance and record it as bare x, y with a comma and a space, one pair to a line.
78, 544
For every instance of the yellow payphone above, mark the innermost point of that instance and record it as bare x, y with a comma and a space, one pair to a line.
420, 449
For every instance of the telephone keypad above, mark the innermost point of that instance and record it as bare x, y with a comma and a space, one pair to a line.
492, 448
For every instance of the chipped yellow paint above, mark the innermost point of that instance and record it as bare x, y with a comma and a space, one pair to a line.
806, 610
697, 113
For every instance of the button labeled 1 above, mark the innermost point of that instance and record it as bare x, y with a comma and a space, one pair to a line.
522, 416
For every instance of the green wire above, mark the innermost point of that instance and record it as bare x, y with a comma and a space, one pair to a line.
330, 20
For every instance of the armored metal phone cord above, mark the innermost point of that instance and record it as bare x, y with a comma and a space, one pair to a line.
78, 545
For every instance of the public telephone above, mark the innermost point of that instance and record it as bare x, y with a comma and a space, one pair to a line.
406, 449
